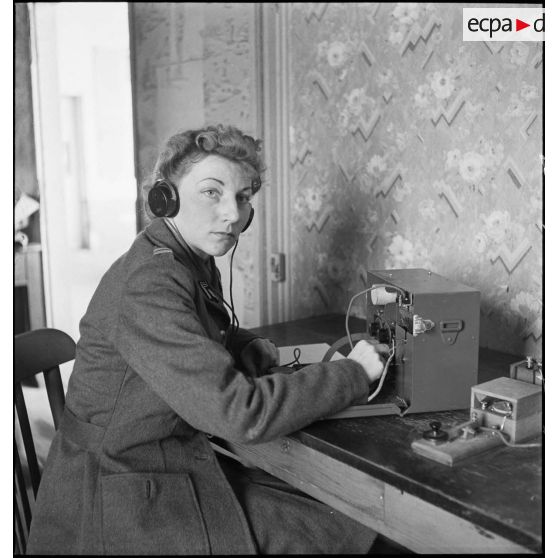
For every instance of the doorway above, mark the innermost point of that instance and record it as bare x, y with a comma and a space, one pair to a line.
84, 132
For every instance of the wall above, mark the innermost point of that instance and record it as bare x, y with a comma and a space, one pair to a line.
412, 148
25, 169
194, 64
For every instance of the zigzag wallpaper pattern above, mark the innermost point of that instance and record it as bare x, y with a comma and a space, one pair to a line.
412, 148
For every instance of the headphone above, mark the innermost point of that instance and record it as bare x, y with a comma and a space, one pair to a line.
163, 201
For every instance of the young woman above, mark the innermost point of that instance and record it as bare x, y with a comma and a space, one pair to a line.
160, 367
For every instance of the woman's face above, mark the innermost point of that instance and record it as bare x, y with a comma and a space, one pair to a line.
214, 205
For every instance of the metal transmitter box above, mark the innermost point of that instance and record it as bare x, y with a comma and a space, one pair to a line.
433, 323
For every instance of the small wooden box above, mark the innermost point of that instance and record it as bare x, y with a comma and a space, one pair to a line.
521, 371
514, 404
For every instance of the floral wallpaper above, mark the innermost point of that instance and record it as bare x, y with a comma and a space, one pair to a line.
412, 148
409, 147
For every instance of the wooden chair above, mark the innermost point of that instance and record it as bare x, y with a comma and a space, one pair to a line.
42, 350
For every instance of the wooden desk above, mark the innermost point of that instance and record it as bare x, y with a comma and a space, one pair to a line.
365, 468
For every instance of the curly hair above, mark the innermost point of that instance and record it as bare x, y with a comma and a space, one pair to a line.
186, 148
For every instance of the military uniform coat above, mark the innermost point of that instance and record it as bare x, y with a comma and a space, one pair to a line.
131, 470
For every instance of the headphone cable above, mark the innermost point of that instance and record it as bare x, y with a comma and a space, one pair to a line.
176, 233
235, 319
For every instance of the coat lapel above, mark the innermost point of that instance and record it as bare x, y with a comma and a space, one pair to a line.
206, 275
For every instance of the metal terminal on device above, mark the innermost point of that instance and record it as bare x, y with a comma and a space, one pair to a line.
421, 325
435, 434
528, 370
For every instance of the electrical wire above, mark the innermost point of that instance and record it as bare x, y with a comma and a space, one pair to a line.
234, 321
373, 287
234, 317
384, 374
507, 442
296, 353
392, 351
235, 324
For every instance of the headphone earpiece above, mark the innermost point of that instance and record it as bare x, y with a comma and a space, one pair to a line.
163, 199
251, 216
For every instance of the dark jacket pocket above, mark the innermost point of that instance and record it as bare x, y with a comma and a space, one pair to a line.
151, 513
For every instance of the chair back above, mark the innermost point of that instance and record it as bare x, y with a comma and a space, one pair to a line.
38, 351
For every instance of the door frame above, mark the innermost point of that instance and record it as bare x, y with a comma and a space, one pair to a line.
49, 155
274, 79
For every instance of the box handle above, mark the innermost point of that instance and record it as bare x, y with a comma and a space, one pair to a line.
449, 330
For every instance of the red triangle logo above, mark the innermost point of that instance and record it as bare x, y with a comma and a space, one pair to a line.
519, 25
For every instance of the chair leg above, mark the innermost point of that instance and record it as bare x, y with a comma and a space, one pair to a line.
27, 437
20, 491
19, 533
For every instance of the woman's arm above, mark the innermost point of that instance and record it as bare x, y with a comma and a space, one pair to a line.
238, 342
161, 337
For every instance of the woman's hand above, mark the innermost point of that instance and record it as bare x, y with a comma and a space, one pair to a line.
259, 355
366, 354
